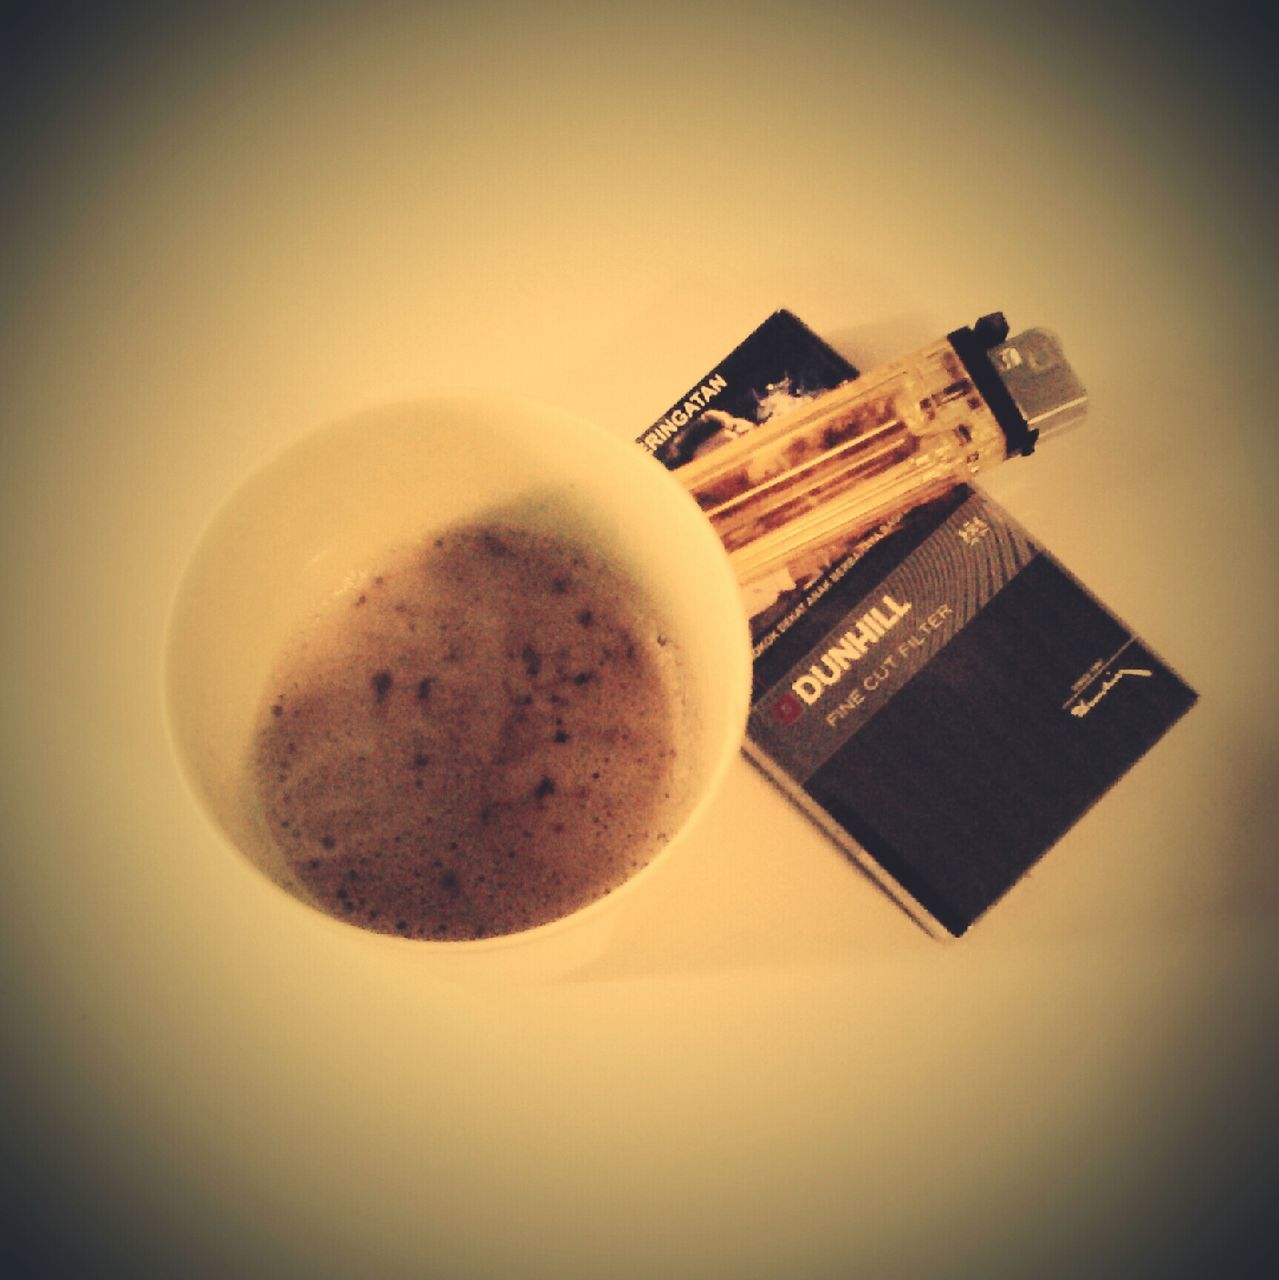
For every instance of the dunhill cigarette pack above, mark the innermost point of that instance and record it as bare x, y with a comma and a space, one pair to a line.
940, 695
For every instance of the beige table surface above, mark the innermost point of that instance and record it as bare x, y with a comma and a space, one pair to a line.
220, 231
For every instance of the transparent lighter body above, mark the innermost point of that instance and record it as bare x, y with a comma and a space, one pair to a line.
783, 496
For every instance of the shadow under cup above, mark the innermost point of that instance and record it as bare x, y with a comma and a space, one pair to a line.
301, 530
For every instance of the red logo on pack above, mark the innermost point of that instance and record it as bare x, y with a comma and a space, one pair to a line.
788, 708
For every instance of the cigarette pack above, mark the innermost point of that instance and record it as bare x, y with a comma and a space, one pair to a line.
941, 696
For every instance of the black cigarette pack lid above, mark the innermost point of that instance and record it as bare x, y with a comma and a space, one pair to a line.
942, 697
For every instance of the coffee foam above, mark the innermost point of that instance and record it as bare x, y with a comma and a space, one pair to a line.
479, 735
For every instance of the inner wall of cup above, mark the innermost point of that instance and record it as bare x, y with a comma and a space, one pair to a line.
298, 531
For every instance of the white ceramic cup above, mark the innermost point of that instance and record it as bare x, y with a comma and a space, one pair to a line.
334, 501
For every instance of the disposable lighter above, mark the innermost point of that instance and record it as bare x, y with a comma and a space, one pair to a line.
893, 439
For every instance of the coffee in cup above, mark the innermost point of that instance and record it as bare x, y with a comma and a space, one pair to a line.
480, 734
